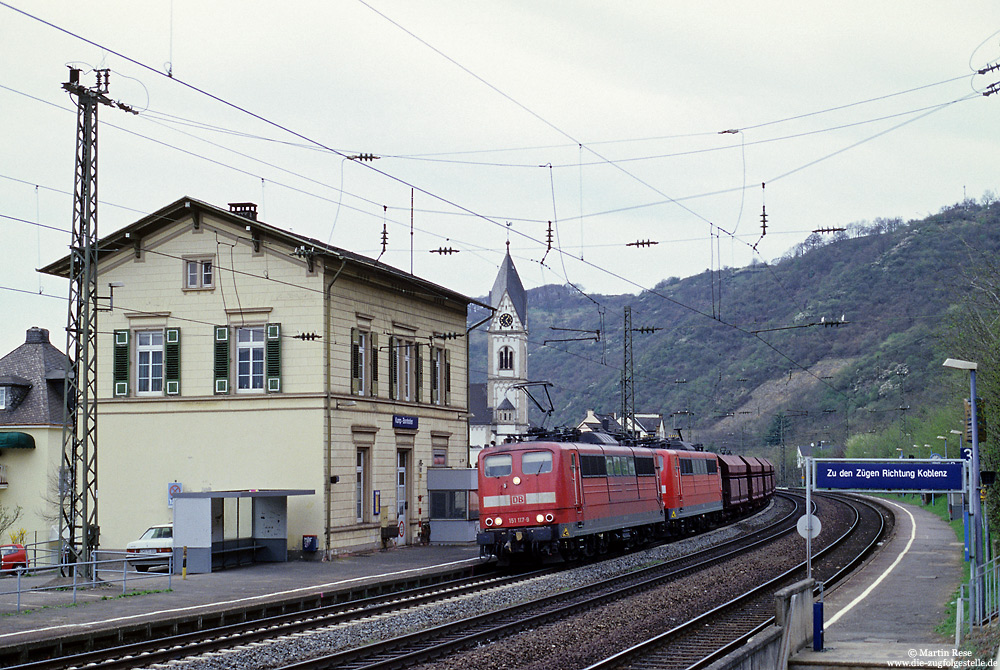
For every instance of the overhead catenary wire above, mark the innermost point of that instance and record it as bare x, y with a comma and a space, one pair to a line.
653, 291
659, 203
671, 200
251, 114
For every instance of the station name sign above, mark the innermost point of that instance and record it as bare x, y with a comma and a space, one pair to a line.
890, 475
402, 421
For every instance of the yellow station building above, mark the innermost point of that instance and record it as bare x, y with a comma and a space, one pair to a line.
238, 355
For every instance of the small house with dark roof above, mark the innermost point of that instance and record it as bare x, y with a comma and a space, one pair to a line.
32, 380
646, 425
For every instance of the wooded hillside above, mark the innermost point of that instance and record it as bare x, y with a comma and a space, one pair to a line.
760, 362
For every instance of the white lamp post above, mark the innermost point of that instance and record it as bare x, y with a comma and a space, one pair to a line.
945, 438
959, 433
976, 504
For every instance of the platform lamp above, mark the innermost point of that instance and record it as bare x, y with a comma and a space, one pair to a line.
977, 531
959, 433
945, 438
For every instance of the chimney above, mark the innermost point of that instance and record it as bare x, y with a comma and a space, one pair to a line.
36, 335
248, 210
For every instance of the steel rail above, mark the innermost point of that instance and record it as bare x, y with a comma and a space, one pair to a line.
661, 651
202, 641
193, 643
430, 644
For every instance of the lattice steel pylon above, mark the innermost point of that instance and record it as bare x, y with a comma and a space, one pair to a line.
628, 379
78, 528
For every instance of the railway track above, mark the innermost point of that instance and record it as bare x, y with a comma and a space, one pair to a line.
426, 644
703, 640
430, 644
171, 647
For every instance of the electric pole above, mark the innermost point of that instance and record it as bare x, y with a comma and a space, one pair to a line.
78, 530
628, 380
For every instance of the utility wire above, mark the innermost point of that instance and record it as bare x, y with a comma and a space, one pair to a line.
283, 128
258, 117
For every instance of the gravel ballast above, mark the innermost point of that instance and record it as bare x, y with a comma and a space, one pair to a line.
663, 607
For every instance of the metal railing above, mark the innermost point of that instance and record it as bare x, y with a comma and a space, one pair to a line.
984, 607
108, 568
978, 602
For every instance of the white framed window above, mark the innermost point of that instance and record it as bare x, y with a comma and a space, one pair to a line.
440, 368
364, 362
404, 361
406, 370
199, 273
359, 486
149, 362
250, 359
437, 375
3, 397
361, 351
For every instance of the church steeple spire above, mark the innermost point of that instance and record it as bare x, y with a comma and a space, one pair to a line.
508, 351
509, 282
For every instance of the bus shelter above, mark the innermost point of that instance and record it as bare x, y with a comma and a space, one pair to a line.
224, 529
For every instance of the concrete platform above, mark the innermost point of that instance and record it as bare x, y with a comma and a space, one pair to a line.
886, 613
52, 613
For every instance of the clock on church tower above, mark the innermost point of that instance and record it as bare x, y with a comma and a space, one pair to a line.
506, 320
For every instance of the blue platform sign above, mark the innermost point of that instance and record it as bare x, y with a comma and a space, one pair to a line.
402, 421
890, 475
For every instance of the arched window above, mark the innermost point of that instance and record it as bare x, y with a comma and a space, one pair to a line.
506, 359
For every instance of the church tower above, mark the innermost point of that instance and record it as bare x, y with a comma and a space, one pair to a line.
508, 352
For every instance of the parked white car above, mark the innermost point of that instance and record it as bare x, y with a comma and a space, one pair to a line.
153, 549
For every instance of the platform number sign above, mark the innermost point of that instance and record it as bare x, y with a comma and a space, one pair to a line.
173, 488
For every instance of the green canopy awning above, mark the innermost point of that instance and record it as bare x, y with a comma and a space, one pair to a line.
16, 441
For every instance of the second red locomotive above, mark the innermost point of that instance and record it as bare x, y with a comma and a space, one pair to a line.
544, 499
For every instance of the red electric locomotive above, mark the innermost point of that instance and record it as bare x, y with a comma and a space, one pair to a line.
691, 487
546, 498
541, 499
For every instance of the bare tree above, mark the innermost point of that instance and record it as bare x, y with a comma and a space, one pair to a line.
8, 517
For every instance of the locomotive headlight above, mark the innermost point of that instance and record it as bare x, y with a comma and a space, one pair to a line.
516, 480
549, 517
489, 521
540, 518
498, 521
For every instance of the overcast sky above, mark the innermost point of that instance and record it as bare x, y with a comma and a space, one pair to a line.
604, 118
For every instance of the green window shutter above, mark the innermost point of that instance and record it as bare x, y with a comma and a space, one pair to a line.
172, 361
120, 371
272, 357
447, 378
418, 371
373, 360
221, 362
355, 362
393, 365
